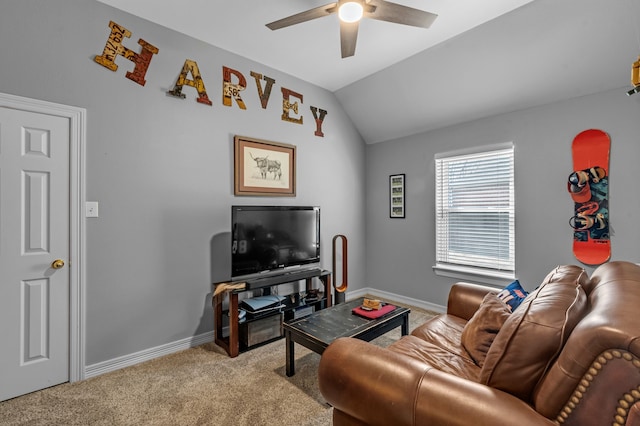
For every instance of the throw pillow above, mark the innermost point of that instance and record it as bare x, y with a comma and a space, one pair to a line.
533, 336
513, 295
481, 329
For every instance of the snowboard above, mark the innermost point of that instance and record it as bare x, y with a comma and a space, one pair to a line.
589, 188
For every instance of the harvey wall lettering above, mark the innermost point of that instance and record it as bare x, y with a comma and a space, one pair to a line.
233, 81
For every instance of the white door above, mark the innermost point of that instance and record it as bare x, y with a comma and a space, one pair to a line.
34, 233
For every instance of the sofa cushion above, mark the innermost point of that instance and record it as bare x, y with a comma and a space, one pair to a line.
484, 325
437, 342
533, 335
446, 330
437, 356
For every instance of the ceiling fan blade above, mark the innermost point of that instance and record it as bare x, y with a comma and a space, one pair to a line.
348, 38
305, 16
399, 14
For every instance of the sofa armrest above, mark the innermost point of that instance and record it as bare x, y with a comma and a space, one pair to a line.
465, 299
373, 385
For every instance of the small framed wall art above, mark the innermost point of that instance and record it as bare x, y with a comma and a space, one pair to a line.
264, 168
397, 196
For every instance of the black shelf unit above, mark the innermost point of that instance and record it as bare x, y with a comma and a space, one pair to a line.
231, 343
287, 307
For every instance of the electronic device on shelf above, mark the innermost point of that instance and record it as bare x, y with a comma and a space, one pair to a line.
268, 240
262, 303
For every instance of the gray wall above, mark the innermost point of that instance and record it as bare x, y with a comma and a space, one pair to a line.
162, 167
401, 253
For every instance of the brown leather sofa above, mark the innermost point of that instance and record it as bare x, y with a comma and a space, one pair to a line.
568, 355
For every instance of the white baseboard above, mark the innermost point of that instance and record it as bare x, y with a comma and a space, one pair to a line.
146, 355
190, 342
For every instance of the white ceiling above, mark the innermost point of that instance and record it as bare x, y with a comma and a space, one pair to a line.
479, 58
546, 51
311, 50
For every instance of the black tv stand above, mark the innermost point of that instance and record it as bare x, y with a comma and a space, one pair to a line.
231, 343
282, 278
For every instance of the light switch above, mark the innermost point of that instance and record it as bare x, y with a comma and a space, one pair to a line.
91, 209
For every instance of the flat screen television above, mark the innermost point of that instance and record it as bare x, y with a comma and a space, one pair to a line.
272, 239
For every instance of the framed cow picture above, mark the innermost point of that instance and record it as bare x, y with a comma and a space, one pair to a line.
264, 168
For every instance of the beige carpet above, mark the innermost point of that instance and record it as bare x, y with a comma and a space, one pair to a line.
198, 386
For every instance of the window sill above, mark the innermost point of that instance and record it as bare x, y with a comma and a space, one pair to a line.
474, 274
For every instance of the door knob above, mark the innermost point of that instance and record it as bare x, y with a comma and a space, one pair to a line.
57, 264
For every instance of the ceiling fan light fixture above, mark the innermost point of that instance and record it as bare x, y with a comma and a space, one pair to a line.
350, 11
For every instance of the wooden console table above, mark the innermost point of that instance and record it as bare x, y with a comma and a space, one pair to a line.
231, 343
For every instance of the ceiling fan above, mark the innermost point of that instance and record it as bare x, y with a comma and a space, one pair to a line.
351, 11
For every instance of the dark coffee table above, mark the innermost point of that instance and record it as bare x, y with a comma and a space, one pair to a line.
319, 329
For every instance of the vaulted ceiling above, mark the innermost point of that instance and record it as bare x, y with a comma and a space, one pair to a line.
478, 58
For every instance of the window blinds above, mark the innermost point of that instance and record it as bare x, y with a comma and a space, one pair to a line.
475, 212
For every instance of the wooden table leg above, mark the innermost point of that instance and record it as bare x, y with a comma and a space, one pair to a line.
234, 345
290, 357
405, 325
229, 344
326, 280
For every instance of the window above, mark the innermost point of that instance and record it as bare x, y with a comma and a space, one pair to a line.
475, 213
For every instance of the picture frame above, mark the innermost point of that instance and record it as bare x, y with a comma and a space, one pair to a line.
397, 192
264, 168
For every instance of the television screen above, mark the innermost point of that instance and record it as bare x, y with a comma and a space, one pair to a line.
271, 238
